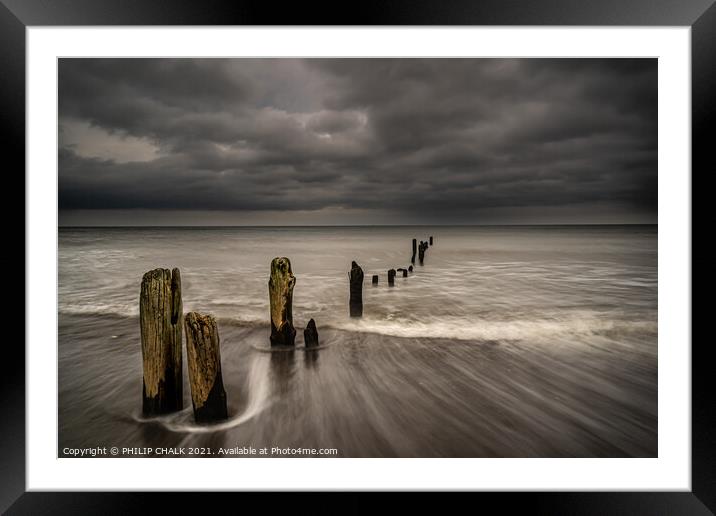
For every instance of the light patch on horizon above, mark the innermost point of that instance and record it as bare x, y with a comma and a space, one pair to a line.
89, 141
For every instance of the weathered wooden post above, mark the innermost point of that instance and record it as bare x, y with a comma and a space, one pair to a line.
375, 279
431, 240
204, 363
310, 334
356, 290
421, 252
391, 277
405, 272
410, 269
415, 245
160, 322
281, 284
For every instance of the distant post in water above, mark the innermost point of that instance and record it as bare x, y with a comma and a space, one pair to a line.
431, 240
160, 322
310, 334
281, 284
405, 272
421, 252
415, 246
391, 277
410, 269
204, 363
356, 290
375, 279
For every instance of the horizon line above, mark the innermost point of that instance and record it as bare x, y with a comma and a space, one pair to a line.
350, 225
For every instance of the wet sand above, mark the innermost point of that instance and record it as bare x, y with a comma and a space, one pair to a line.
372, 395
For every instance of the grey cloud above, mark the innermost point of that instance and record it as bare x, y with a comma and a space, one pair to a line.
450, 137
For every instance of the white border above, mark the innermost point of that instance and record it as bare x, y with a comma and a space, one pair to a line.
670, 471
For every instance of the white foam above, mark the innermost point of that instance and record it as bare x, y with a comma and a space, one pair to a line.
259, 400
120, 309
455, 328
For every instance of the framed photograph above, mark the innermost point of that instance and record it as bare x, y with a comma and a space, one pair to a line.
435, 250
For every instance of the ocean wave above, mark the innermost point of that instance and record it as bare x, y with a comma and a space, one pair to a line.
486, 327
121, 310
484, 330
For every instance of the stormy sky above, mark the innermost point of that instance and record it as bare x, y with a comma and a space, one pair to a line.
357, 141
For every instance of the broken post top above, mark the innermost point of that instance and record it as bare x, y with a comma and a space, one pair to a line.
281, 274
310, 334
281, 284
281, 265
356, 272
311, 325
160, 278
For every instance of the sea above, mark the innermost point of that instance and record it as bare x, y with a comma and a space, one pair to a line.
508, 341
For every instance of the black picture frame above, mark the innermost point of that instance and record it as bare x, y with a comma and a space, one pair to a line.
700, 15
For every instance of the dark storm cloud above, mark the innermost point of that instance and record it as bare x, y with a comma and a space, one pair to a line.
447, 137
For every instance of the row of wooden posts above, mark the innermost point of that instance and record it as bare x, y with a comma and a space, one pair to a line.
356, 277
162, 323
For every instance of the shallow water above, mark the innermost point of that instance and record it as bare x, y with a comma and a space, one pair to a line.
508, 342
